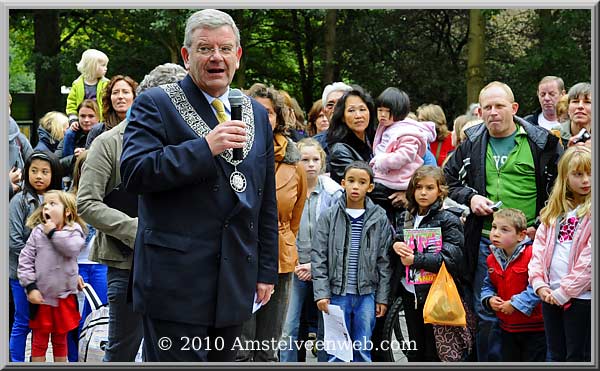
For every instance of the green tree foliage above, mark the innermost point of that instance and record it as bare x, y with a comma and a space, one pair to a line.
419, 51
21, 76
560, 46
422, 51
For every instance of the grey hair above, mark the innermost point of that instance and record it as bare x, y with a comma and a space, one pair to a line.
336, 86
211, 19
471, 109
162, 74
580, 89
559, 82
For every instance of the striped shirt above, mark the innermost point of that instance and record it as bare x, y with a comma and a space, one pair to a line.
356, 222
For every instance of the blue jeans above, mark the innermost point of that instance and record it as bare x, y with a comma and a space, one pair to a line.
95, 275
301, 291
20, 329
568, 331
489, 335
125, 328
359, 313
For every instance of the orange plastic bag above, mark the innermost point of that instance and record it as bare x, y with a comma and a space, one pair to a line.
443, 305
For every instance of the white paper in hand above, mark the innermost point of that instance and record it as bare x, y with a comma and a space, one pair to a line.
337, 338
255, 306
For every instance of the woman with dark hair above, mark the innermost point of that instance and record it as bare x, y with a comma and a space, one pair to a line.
116, 101
290, 182
351, 131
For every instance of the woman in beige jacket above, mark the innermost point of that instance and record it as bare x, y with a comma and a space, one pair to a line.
266, 325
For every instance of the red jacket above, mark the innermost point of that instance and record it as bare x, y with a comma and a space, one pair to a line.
513, 281
445, 147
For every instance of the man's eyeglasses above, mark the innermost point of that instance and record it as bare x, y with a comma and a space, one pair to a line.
330, 104
226, 50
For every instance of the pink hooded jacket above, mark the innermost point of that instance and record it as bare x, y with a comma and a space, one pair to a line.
407, 142
579, 278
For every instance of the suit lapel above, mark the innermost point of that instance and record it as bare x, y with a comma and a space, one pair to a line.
199, 102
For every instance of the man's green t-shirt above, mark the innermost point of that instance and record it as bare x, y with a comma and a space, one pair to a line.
510, 175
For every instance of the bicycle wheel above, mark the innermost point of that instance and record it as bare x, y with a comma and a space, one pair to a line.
396, 334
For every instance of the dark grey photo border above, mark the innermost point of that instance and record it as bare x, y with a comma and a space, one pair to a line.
5, 7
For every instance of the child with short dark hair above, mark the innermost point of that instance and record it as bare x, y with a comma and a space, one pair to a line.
399, 147
349, 259
507, 292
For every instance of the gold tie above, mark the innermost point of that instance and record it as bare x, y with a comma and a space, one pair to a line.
221, 115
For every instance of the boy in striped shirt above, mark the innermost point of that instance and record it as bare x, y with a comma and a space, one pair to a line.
350, 261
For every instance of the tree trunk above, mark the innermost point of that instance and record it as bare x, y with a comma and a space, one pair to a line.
309, 33
544, 18
47, 69
476, 48
299, 49
330, 23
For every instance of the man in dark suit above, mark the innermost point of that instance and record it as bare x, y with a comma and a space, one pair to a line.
207, 229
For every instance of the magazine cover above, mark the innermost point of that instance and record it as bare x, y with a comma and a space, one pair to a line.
423, 239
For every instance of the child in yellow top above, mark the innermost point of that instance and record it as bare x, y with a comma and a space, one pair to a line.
90, 84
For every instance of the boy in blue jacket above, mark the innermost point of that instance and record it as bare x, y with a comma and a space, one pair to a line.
506, 290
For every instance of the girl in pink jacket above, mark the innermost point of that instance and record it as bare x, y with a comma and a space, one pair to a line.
560, 269
399, 146
48, 271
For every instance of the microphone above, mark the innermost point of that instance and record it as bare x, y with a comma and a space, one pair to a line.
235, 100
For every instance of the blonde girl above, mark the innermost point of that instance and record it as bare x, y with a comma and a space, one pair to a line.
48, 271
42, 172
321, 193
560, 270
91, 84
51, 130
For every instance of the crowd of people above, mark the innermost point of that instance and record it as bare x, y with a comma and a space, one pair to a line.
186, 206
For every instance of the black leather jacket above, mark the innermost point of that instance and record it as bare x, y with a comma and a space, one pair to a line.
344, 152
465, 175
451, 253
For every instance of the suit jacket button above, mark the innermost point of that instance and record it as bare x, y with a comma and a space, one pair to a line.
259, 191
216, 187
249, 258
251, 225
226, 225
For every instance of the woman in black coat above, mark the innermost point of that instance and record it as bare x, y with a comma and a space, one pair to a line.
351, 131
